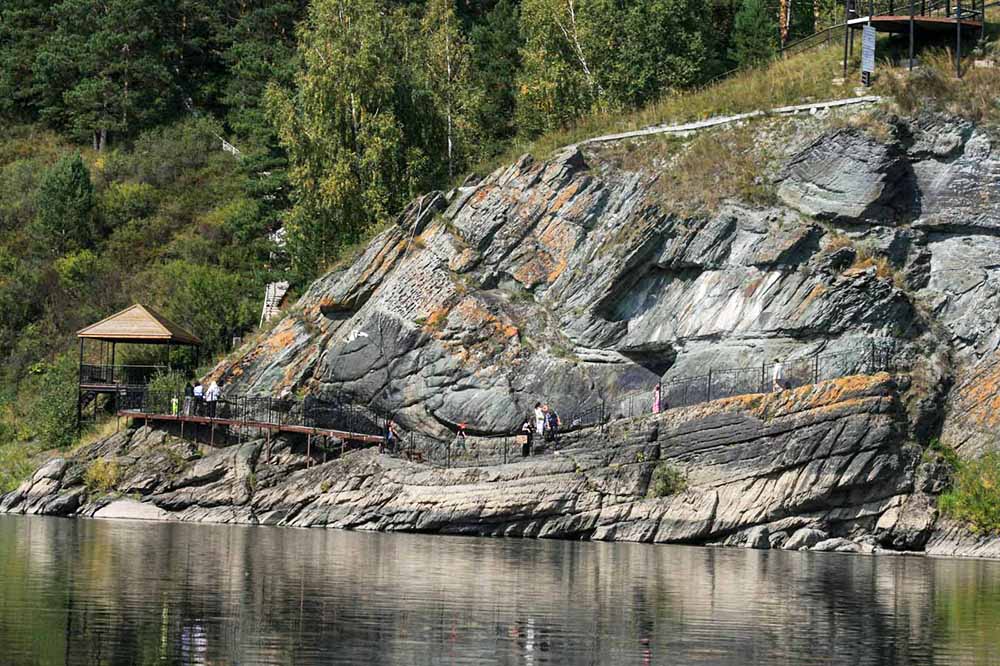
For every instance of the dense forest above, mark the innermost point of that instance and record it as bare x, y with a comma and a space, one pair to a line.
114, 187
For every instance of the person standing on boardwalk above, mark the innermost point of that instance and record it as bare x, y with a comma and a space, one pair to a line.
551, 423
198, 392
212, 397
656, 399
539, 420
188, 398
526, 435
778, 376
391, 438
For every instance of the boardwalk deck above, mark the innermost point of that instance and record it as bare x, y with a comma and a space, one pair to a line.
343, 435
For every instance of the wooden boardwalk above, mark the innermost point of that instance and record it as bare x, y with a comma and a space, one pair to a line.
343, 436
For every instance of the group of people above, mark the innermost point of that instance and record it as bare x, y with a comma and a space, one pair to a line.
543, 423
198, 400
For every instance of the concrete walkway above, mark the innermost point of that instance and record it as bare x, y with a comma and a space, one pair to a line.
688, 128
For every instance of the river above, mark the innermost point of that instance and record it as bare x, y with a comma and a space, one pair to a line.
106, 592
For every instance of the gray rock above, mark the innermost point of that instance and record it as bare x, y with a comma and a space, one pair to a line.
909, 526
804, 538
778, 539
758, 538
127, 509
836, 545
570, 281
848, 175
53, 469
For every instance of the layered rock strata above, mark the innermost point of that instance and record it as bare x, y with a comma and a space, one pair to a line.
826, 462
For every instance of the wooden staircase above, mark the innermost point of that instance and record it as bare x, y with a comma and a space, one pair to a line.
273, 297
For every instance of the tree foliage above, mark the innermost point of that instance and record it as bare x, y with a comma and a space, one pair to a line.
114, 188
755, 32
65, 205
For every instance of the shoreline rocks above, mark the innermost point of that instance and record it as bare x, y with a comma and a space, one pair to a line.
818, 468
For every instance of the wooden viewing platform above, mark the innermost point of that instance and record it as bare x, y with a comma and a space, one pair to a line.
901, 23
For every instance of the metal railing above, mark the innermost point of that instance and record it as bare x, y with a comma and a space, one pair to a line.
258, 411
877, 356
123, 375
937, 8
860, 9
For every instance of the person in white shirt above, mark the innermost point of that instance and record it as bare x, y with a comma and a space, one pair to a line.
199, 396
778, 376
212, 397
539, 419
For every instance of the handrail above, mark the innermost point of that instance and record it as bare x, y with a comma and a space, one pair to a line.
119, 374
877, 356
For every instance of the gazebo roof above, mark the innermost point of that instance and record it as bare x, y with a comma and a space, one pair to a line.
139, 324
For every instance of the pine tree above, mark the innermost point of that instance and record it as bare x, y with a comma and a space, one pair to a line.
24, 25
495, 63
259, 48
106, 68
64, 221
755, 32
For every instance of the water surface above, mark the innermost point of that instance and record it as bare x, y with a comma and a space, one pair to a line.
109, 592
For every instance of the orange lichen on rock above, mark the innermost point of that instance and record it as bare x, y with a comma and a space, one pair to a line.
437, 318
531, 272
816, 292
564, 195
481, 194
751, 288
979, 396
556, 271
282, 337
835, 393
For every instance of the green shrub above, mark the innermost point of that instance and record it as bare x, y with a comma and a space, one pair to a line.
667, 480
101, 476
937, 451
169, 384
974, 498
47, 403
122, 202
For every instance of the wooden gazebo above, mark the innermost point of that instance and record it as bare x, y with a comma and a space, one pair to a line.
138, 324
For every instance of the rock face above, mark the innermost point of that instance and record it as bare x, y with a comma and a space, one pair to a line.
579, 280
822, 460
572, 281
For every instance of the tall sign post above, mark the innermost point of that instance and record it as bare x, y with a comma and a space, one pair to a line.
867, 54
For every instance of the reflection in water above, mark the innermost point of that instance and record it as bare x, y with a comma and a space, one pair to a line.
96, 592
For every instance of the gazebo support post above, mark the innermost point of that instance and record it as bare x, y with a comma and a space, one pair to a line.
912, 10
958, 39
847, 29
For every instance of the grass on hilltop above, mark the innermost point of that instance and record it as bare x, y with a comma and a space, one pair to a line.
812, 76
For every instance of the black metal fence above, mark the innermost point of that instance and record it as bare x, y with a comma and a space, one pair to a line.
310, 412
468, 452
255, 411
877, 356
123, 375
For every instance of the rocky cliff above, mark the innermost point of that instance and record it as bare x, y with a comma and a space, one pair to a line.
602, 270
825, 466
